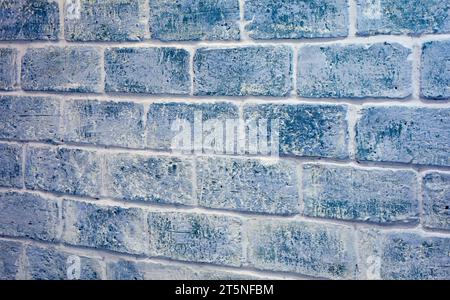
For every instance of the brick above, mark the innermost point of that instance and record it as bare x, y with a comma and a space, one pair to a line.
63, 170
278, 19
405, 135
435, 70
436, 200
368, 195
8, 69
193, 20
104, 227
312, 249
10, 253
29, 118
29, 215
104, 123
243, 71
147, 70
113, 20
29, 20
379, 70
413, 17
162, 116
248, 185
306, 130
196, 237
49, 263
149, 179
11, 166
61, 69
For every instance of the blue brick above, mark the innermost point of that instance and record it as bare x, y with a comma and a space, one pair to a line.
404, 135
11, 165
354, 71
435, 70
8, 69
113, 20
306, 130
62, 170
312, 249
104, 227
61, 69
161, 117
29, 118
147, 70
278, 19
10, 253
29, 215
436, 200
29, 20
402, 17
196, 237
243, 71
49, 263
247, 185
347, 193
192, 20
104, 123
149, 179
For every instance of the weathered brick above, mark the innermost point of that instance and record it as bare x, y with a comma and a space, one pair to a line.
313, 249
61, 69
435, 70
63, 170
8, 69
243, 71
150, 179
29, 215
193, 20
354, 71
147, 70
403, 134
162, 116
11, 165
49, 263
196, 237
113, 20
402, 17
104, 123
278, 19
9, 259
104, 227
29, 118
306, 130
29, 20
247, 185
369, 195
436, 200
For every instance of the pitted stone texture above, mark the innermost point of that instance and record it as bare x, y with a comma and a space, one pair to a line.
9, 72
10, 253
11, 166
435, 70
436, 200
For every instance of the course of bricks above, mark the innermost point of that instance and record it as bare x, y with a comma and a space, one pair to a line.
362, 92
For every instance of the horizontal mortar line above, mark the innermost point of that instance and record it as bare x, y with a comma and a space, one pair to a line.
112, 256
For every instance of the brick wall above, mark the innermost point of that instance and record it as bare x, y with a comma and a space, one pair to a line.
361, 89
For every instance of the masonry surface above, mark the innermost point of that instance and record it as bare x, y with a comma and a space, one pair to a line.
88, 93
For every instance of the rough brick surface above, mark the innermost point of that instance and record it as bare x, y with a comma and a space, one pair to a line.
191, 20
61, 69
435, 70
147, 70
354, 71
436, 200
29, 215
348, 193
403, 134
8, 69
197, 237
11, 165
278, 19
243, 71
9, 259
402, 17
